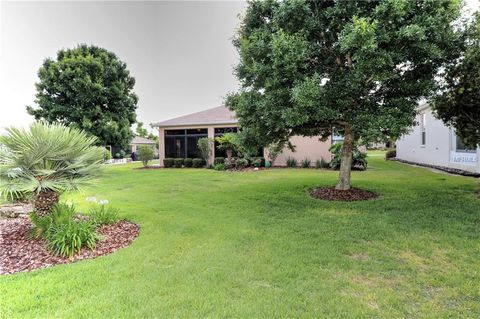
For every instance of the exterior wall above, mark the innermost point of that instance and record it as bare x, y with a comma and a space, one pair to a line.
306, 147
439, 148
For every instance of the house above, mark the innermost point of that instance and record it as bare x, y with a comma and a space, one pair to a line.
178, 137
432, 143
138, 141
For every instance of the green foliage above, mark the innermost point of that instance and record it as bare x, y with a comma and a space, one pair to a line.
227, 141
47, 157
391, 153
306, 163
145, 154
188, 162
103, 215
241, 163
359, 159
219, 160
310, 68
198, 162
458, 103
229, 162
274, 150
178, 162
89, 88
65, 239
219, 167
291, 162
107, 155
205, 147
258, 161
321, 163
168, 162
140, 130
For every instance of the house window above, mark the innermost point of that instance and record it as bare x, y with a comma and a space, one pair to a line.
423, 132
183, 143
461, 147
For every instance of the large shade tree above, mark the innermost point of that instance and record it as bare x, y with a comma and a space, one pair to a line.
458, 104
358, 68
45, 161
89, 88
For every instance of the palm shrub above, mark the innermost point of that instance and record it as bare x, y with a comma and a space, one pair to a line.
45, 161
227, 142
291, 162
145, 154
359, 159
306, 163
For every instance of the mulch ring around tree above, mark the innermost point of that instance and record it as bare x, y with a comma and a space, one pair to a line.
18, 253
332, 194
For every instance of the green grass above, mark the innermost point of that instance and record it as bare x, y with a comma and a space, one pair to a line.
255, 245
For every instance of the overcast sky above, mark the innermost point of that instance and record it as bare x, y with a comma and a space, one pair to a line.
180, 53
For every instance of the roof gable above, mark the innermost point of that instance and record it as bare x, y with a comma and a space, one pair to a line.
216, 115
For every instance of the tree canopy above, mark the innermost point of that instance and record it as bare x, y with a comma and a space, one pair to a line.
458, 105
89, 88
355, 67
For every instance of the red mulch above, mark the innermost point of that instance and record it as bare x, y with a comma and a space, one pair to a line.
18, 253
353, 194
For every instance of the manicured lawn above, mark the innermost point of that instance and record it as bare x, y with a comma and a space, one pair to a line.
255, 245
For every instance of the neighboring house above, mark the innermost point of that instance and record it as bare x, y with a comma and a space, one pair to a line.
432, 143
140, 141
178, 137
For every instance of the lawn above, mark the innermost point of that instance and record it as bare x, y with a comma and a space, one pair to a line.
255, 245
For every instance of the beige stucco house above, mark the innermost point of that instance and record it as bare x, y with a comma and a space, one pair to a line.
178, 137
138, 141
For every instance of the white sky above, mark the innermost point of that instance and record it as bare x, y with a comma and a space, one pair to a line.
180, 53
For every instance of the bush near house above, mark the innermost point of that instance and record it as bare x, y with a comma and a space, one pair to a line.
145, 154
188, 162
291, 162
178, 162
257, 161
359, 159
198, 162
219, 160
306, 163
168, 162
219, 167
391, 153
241, 163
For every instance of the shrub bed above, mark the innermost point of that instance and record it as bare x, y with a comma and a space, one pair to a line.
178, 162
188, 162
168, 162
197, 162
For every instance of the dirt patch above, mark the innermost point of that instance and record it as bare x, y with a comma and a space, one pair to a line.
18, 253
332, 194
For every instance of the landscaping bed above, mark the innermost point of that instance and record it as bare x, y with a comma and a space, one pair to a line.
353, 194
19, 253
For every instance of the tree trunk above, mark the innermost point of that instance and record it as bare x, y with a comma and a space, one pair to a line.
44, 201
346, 160
229, 154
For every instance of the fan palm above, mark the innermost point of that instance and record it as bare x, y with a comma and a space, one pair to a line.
227, 142
46, 160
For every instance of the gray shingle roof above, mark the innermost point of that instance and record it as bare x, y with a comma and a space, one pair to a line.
216, 115
142, 140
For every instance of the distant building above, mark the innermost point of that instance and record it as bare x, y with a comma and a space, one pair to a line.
178, 137
138, 141
433, 143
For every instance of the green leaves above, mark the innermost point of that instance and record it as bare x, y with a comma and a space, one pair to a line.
47, 157
89, 88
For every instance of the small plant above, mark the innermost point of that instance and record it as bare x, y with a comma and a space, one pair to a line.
178, 162
188, 162
306, 163
258, 161
273, 151
197, 162
391, 153
65, 239
219, 167
145, 154
318, 163
219, 160
229, 163
205, 147
103, 215
60, 214
168, 162
241, 163
359, 159
291, 162
107, 155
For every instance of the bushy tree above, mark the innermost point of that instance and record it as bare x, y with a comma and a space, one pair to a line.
458, 104
145, 154
205, 147
46, 160
227, 142
357, 68
88, 88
